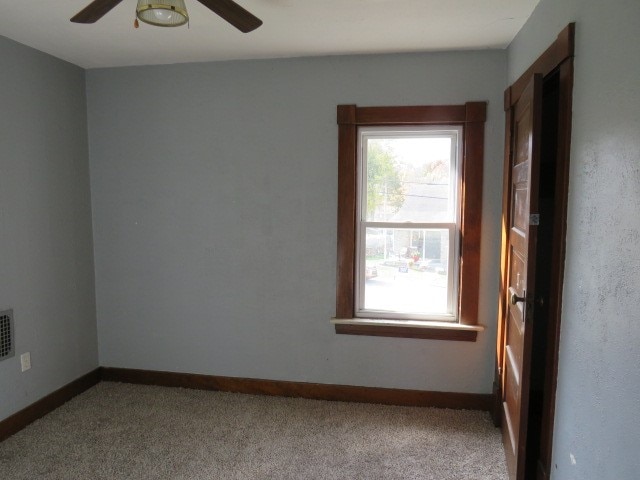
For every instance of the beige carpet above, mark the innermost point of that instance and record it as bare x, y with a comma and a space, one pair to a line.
119, 431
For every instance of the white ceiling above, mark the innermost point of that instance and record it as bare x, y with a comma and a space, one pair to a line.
291, 28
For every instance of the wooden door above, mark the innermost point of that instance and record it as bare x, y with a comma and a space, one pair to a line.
524, 168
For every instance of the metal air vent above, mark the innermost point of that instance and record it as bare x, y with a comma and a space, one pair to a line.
6, 334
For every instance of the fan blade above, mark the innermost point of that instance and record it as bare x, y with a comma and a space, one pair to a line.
234, 14
94, 11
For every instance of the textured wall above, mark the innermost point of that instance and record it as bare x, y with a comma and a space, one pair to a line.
214, 201
46, 259
597, 431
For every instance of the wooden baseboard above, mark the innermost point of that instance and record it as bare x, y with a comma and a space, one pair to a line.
316, 391
24, 417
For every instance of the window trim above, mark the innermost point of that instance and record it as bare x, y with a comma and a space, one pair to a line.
471, 116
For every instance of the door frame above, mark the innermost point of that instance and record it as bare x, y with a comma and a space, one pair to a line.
556, 59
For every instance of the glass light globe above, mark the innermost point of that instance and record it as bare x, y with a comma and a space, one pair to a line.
163, 15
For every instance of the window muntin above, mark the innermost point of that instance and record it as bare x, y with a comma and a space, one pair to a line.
408, 222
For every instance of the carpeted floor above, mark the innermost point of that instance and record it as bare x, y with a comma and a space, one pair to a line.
118, 431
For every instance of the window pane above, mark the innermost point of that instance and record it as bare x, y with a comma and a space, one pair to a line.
406, 270
409, 179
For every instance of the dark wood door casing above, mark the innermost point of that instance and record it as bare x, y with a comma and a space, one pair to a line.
555, 61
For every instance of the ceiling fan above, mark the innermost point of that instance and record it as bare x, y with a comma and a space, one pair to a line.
172, 12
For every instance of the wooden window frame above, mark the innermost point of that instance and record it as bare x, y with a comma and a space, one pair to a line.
471, 117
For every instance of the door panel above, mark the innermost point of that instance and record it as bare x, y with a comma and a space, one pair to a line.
517, 273
520, 208
522, 235
511, 397
514, 338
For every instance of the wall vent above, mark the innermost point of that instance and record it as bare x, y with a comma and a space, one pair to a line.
6, 334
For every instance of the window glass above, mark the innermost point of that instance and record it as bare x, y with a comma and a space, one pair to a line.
408, 222
408, 179
406, 270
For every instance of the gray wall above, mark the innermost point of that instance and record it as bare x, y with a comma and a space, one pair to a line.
46, 259
214, 203
597, 432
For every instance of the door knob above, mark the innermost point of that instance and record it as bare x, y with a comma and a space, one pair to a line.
514, 299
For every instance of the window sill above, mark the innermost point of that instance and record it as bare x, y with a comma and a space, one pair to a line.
407, 329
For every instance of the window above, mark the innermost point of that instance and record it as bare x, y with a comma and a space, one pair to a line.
407, 225
409, 208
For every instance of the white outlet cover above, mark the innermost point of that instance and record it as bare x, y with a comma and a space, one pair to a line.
25, 361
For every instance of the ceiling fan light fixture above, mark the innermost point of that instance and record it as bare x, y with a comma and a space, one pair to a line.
162, 13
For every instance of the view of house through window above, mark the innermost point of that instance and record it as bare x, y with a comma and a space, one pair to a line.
408, 222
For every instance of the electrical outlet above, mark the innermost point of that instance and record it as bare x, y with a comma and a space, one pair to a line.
25, 361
